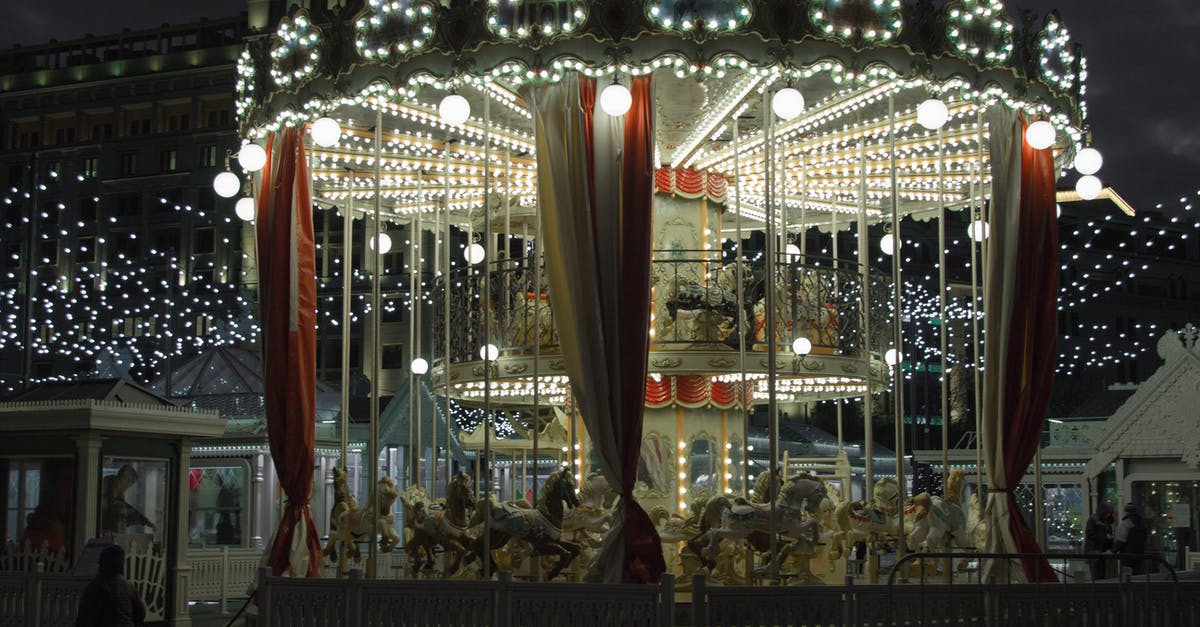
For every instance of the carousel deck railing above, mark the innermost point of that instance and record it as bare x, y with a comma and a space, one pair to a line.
499, 603
38, 598
695, 303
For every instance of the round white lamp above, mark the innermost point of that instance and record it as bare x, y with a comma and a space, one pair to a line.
1088, 187
226, 184
252, 157
385, 243
1057, 210
245, 208
932, 114
1040, 135
887, 244
326, 132
419, 366
793, 252
787, 103
489, 352
454, 109
1088, 161
891, 357
474, 254
979, 230
615, 100
801, 346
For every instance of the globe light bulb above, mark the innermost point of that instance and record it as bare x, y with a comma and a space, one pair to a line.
932, 114
891, 357
385, 243
489, 352
226, 184
787, 103
326, 132
252, 157
793, 252
245, 208
979, 230
615, 100
802, 346
1040, 135
1088, 161
454, 109
887, 244
419, 366
474, 254
1088, 187
1057, 210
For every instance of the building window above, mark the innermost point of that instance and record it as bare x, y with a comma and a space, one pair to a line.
87, 250
89, 209
392, 357
208, 155
216, 505
204, 325
128, 163
91, 167
178, 122
166, 160
203, 241
48, 252
134, 495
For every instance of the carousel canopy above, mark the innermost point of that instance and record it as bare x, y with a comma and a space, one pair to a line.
859, 71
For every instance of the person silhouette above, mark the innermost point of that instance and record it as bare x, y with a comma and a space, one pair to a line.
109, 599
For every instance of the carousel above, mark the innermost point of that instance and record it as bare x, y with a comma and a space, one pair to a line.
537, 166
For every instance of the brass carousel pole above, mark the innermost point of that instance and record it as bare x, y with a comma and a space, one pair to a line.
739, 270
772, 341
376, 319
413, 414
486, 301
347, 264
947, 567
864, 266
446, 253
537, 357
897, 330
975, 343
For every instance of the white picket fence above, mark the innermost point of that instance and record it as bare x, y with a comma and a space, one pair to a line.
42, 599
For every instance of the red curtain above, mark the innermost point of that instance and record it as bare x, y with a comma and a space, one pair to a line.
1031, 347
643, 548
288, 311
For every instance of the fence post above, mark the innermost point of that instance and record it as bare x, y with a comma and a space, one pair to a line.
224, 576
503, 607
354, 605
990, 603
666, 601
699, 602
849, 616
33, 600
264, 597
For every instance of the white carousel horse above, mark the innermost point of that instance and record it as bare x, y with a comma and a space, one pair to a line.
353, 524
855, 521
935, 523
430, 525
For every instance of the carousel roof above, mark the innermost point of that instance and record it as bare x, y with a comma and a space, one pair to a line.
863, 67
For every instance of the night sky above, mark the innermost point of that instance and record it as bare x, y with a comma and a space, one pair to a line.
1143, 57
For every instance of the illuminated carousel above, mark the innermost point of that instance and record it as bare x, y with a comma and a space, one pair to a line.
780, 145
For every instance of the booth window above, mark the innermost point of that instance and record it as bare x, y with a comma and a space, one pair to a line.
133, 500
216, 505
39, 501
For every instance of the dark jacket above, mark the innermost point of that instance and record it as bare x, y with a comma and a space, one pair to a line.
1131, 535
109, 599
1097, 536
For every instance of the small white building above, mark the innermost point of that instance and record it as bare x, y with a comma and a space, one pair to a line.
1148, 452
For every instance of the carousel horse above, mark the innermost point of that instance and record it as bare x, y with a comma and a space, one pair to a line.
801, 502
343, 500
855, 521
935, 523
353, 524
541, 528
431, 526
